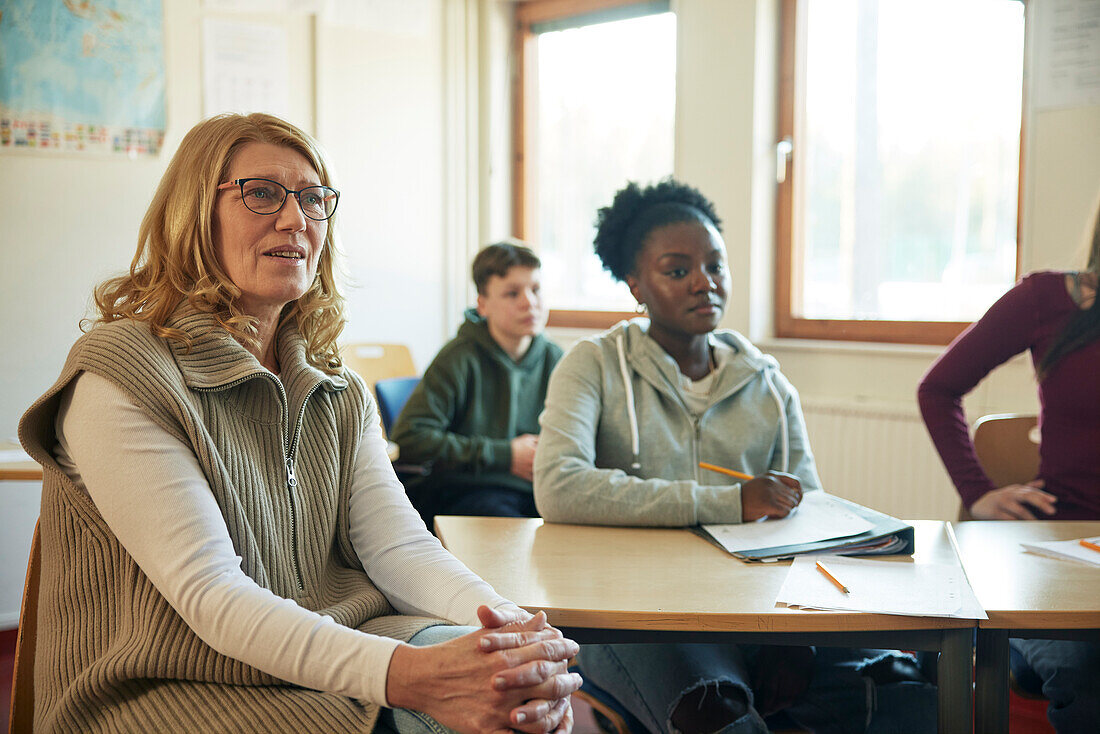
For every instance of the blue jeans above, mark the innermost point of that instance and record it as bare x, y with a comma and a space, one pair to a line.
650, 679
406, 721
1070, 672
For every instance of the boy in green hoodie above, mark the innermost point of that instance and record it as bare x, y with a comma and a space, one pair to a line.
474, 416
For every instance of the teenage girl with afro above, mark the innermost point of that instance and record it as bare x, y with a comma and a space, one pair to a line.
629, 415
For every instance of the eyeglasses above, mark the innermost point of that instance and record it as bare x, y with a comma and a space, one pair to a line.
264, 196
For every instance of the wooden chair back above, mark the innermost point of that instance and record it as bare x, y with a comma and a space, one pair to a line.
21, 717
374, 362
1007, 447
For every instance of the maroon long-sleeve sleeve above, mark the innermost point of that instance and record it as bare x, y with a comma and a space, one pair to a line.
1028, 317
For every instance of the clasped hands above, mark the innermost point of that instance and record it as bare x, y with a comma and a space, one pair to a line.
509, 675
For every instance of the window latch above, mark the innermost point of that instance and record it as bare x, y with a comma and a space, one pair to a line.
782, 158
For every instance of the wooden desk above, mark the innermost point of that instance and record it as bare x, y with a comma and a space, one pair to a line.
603, 584
28, 470
1025, 595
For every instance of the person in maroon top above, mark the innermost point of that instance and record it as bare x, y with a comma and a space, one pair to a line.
1055, 316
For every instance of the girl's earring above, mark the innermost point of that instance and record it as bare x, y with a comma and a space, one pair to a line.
640, 308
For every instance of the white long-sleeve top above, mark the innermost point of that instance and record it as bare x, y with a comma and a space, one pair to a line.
150, 490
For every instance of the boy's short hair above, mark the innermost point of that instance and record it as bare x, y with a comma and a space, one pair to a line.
498, 258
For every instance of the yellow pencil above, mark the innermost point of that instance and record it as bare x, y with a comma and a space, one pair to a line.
834, 579
1089, 544
724, 470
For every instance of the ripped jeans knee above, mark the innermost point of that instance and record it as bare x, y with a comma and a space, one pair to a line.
676, 687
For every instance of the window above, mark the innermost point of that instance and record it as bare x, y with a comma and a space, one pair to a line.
596, 99
899, 163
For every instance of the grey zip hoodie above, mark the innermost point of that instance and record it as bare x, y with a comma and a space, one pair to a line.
619, 446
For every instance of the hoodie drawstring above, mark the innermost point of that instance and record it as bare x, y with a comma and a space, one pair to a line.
631, 413
784, 436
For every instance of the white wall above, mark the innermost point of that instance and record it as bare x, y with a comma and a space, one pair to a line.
381, 116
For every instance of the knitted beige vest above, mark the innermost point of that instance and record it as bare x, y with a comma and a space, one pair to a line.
112, 655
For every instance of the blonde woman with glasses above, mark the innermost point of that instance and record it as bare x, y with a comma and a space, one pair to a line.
225, 546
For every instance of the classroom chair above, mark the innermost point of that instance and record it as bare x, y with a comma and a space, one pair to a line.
1007, 446
21, 717
392, 395
374, 362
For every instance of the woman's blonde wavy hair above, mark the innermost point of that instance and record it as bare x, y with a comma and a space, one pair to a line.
176, 258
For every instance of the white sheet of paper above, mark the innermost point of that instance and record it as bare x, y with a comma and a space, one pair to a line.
1066, 70
245, 67
820, 516
881, 587
1066, 550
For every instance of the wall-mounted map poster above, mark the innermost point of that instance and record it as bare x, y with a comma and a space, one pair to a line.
82, 76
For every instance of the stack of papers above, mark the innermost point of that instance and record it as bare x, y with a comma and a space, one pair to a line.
1067, 550
818, 517
821, 523
880, 587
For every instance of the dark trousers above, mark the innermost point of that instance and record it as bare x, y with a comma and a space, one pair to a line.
1070, 671
431, 499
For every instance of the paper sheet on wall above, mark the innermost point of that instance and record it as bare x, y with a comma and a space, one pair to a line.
1067, 550
245, 68
881, 587
1067, 53
820, 517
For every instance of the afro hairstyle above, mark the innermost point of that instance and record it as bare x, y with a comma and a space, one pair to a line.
622, 228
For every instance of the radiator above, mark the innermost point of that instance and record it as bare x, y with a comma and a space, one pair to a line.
881, 457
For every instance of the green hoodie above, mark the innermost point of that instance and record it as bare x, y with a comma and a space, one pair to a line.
470, 404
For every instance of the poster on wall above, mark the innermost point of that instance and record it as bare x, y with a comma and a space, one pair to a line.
82, 76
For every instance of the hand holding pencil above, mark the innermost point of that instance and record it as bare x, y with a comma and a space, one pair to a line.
773, 494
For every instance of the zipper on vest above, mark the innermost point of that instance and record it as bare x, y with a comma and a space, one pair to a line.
292, 436
292, 486
291, 480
